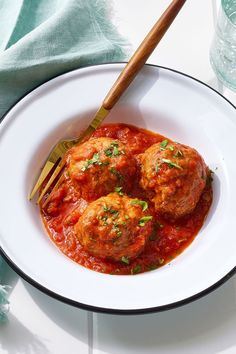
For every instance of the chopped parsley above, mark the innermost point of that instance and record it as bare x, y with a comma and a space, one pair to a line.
104, 219
117, 229
144, 219
125, 260
108, 152
143, 203
163, 144
119, 233
94, 161
171, 147
136, 269
157, 167
109, 210
171, 164
113, 150
119, 190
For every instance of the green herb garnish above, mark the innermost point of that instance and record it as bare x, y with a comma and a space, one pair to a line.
119, 190
113, 150
125, 260
157, 167
108, 152
94, 161
119, 233
136, 269
110, 210
144, 219
117, 229
171, 164
104, 219
114, 143
163, 144
143, 203
116, 152
171, 147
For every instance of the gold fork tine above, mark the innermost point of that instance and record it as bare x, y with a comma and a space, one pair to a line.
57, 185
53, 159
55, 174
44, 173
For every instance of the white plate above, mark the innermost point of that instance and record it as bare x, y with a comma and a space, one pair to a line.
161, 100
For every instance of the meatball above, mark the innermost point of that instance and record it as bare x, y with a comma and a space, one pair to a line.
115, 227
174, 176
100, 165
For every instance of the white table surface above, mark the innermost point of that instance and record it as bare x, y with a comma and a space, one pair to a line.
39, 324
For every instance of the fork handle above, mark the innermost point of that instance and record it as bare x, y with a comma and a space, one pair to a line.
142, 54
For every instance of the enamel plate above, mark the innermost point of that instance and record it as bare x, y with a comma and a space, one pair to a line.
160, 99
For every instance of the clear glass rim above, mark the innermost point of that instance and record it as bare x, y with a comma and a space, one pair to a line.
224, 11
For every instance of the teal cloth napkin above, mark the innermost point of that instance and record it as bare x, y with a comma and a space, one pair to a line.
4, 303
40, 39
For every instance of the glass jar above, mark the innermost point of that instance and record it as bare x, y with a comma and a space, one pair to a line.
223, 48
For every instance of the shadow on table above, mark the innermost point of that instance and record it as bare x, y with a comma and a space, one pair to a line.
204, 326
14, 334
67, 317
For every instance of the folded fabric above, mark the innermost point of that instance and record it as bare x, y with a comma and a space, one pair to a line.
45, 38
41, 39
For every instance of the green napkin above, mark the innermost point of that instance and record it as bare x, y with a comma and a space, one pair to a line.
4, 303
43, 38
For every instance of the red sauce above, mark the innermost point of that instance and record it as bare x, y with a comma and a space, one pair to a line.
168, 240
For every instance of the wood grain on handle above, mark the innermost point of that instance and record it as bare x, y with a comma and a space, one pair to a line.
141, 55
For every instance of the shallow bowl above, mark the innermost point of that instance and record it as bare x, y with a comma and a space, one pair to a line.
160, 99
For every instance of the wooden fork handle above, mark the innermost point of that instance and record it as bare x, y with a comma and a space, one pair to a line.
142, 54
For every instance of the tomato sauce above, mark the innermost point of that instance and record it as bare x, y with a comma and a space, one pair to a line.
166, 242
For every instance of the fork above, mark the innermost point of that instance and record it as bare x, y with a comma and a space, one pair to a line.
55, 162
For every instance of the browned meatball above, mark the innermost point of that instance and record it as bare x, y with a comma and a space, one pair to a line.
100, 165
115, 227
174, 176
